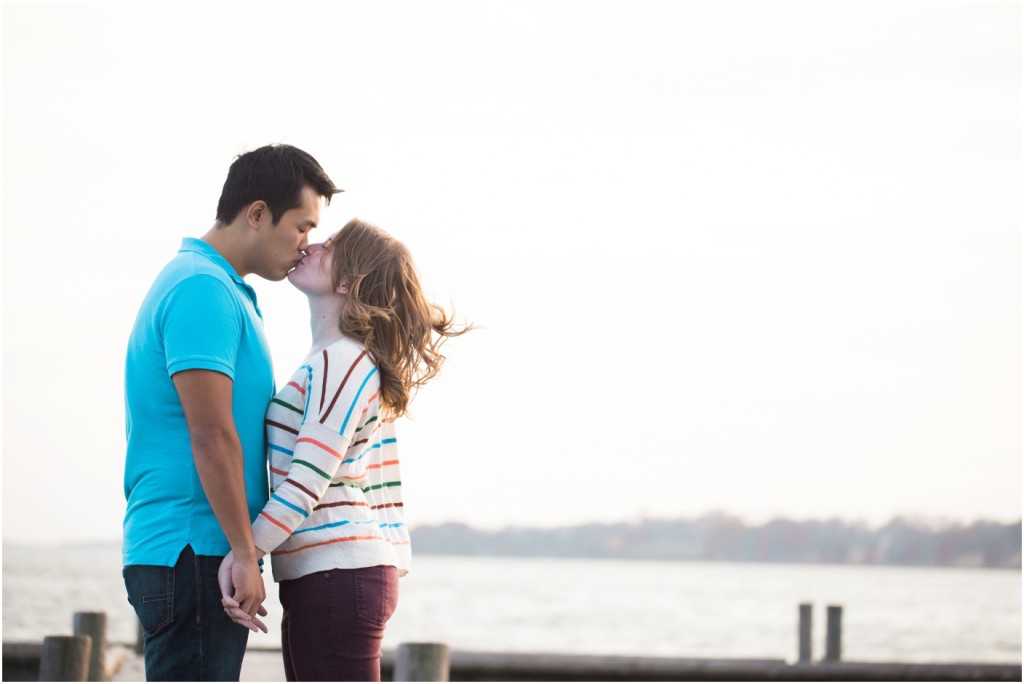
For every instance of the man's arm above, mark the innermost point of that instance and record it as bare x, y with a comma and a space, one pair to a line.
206, 399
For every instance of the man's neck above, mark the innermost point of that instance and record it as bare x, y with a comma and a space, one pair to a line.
225, 238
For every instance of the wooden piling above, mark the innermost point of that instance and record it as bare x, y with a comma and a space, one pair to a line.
804, 633
422, 662
834, 634
65, 659
94, 625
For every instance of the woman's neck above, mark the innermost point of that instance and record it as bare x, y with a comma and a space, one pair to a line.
324, 317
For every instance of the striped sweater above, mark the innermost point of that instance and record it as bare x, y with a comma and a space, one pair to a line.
335, 486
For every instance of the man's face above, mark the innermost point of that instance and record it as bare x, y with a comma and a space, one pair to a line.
282, 245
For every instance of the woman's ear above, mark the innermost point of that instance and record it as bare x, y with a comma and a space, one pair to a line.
342, 289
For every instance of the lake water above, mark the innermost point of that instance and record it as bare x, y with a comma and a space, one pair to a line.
683, 609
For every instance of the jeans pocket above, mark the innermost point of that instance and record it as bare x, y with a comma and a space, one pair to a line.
151, 593
376, 594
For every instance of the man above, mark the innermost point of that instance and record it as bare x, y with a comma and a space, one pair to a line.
198, 379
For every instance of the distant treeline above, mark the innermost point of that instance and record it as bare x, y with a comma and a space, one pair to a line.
719, 537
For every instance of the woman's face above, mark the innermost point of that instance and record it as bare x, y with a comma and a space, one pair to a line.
312, 275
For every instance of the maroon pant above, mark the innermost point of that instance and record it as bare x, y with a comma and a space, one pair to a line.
334, 622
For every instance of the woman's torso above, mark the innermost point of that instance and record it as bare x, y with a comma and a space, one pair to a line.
358, 522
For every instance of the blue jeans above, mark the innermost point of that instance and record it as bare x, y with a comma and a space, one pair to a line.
188, 635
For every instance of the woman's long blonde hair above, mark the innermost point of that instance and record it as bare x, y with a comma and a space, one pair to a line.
387, 312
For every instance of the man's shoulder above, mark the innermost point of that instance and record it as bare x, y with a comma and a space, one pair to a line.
186, 265
189, 272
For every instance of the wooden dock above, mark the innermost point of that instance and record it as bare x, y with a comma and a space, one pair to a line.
532, 667
264, 665
88, 655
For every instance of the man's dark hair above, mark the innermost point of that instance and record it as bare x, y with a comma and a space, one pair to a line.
275, 174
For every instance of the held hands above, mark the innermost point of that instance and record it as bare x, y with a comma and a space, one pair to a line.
242, 591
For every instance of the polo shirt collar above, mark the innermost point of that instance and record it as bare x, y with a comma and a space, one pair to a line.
200, 247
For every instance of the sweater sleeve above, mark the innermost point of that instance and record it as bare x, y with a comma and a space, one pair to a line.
340, 388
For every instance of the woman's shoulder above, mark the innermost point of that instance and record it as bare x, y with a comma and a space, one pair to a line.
341, 369
342, 358
345, 349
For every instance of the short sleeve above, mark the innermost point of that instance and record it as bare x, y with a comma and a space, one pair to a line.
201, 326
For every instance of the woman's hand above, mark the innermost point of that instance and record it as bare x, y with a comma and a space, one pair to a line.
226, 578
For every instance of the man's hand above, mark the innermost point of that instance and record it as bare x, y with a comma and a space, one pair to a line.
242, 591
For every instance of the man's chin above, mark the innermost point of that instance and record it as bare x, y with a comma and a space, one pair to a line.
279, 275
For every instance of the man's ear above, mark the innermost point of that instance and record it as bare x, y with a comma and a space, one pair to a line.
257, 213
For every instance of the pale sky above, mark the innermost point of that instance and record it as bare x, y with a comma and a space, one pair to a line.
763, 258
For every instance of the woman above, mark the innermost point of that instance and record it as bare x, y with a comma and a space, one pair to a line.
334, 526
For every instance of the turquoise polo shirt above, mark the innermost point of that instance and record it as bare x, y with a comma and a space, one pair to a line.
199, 313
